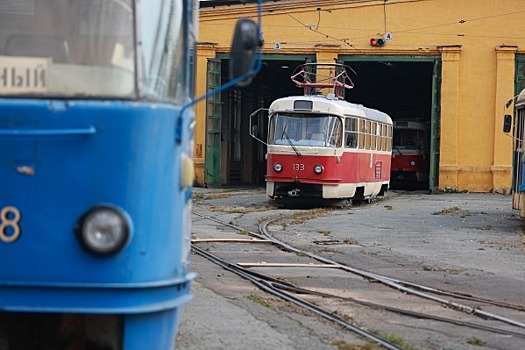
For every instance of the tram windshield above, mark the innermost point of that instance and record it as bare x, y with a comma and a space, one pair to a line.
87, 48
409, 139
312, 130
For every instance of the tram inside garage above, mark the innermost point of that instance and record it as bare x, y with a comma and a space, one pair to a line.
405, 88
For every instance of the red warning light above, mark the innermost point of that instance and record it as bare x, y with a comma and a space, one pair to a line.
377, 42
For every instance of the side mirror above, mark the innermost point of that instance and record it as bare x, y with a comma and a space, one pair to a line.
258, 125
507, 123
243, 51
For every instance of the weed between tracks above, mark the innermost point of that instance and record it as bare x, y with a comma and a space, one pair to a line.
521, 235
442, 269
262, 301
199, 196
300, 217
476, 341
342, 345
394, 339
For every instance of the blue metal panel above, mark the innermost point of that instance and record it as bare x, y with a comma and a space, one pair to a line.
55, 164
151, 331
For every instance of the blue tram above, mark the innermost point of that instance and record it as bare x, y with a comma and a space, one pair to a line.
96, 170
517, 126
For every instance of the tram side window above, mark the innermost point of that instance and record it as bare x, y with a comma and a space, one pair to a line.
389, 138
351, 132
368, 134
372, 136
362, 134
384, 137
375, 134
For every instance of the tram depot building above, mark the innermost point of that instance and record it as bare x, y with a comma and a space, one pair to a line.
453, 64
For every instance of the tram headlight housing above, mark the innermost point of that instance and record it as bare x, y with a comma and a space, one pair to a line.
278, 167
413, 162
318, 169
103, 230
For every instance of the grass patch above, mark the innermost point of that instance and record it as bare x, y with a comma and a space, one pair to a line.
350, 241
521, 235
476, 341
442, 269
202, 196
343, 345
396, 340
301, 217
237, 210
262, 301
452, 211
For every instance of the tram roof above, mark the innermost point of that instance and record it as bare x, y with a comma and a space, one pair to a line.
321, 104
520, 101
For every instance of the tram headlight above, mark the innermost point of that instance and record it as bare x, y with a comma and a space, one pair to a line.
318, 169
278, 167
103, 230
413, 163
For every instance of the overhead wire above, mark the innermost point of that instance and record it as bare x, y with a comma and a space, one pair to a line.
461, 21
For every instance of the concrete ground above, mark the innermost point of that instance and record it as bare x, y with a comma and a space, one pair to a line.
465, 239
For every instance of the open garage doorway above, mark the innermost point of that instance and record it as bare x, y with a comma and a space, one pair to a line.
407, 89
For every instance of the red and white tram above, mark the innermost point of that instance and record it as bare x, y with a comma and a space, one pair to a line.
323, 150
411, 152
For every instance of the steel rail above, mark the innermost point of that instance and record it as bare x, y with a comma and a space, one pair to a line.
268, 286
405, 283
288, 286
391, 282
415, 314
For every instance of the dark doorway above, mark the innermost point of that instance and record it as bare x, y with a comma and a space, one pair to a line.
401, 87
403, 90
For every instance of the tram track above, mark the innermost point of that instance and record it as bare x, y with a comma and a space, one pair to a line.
284, 290
404, 286
273, 287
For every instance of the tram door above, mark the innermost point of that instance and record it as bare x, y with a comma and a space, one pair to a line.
518, 181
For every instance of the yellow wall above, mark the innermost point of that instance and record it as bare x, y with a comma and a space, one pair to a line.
477, 41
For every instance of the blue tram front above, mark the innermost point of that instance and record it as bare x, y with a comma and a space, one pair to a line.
96, 172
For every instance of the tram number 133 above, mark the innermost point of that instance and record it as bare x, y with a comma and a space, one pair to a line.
298, 167
9, 224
